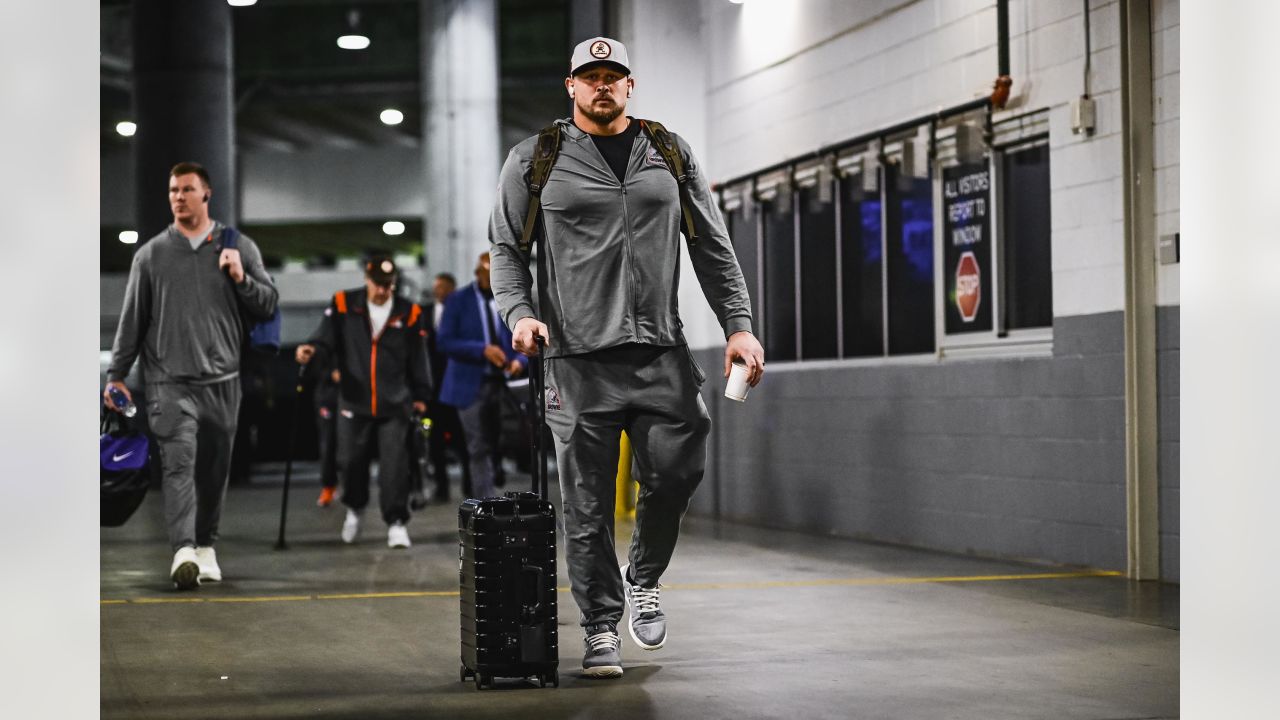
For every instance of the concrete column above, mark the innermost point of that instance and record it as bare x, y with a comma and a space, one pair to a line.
460, 110
182, 66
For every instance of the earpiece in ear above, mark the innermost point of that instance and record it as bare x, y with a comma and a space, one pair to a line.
206, 197
570, 93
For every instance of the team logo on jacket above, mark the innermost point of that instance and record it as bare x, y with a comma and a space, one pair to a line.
553, 399
654, 158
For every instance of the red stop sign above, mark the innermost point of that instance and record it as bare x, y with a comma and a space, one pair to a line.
968, 286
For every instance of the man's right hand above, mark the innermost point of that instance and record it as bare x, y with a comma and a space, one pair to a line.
522, 338
304, 353
106, 394
495, 356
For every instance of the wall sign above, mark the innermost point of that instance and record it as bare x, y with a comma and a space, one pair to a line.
966, 240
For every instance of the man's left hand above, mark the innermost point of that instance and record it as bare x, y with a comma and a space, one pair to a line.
230, 262
419, 407
744, 346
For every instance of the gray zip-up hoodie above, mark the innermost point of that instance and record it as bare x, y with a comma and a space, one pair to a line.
611, 251
183, 315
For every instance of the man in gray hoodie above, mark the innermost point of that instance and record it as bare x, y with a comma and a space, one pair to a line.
608, 245
184, 315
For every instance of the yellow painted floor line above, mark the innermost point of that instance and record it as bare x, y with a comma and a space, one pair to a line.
369, 596
760, 585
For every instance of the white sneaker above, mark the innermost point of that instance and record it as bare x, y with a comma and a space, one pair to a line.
398, 536
185, 571
351, 527
207, 559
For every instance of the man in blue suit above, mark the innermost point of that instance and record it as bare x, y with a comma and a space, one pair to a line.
481, 358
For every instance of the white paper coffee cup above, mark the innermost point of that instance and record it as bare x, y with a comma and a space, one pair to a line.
737, 387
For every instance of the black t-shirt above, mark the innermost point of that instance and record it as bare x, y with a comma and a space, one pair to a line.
616, 149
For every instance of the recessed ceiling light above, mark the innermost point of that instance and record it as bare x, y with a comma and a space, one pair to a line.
393, 227
391, 116
128, 237
126, 128
353, 42
242, 3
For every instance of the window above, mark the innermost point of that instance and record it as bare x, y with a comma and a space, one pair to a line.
909, 256
994, 242
746, 245
779, 277
931, 237
818, 273
860, 270
1027, 276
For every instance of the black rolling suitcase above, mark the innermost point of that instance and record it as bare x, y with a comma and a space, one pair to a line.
507, 576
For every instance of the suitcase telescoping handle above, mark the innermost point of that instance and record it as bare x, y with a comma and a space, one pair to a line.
537, 387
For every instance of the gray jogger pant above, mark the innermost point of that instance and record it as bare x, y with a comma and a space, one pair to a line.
195, 429
482, 429
651, 392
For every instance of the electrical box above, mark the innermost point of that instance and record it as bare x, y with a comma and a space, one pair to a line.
1084, 115
1167, 250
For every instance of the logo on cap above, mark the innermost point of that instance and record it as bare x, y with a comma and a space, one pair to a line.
600, 50
387, 267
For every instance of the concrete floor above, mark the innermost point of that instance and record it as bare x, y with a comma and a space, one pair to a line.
763, 624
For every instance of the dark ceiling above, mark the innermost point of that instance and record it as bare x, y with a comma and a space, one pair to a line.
296, 90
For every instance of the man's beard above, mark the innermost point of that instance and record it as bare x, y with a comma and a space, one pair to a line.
603, 116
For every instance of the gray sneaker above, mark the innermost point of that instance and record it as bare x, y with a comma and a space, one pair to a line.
647, 623
602, 659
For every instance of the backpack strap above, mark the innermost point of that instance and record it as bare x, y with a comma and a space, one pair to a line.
670, 152
340, 301
544, 158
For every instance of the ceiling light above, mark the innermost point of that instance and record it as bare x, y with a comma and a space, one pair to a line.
241, 3
393, 227
391, 116
355, 39
128, 237
126, 128
353, 42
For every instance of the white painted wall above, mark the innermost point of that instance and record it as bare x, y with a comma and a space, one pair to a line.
331, 184
316, 185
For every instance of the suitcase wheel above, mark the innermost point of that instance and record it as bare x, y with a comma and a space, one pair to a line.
462, 673
481, 680
552, 677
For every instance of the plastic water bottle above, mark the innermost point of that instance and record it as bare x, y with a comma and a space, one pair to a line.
122, 402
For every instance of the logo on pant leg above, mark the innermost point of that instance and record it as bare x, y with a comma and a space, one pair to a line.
553, 399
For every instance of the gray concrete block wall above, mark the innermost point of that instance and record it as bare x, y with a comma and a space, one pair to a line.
1168, 344
1016, 458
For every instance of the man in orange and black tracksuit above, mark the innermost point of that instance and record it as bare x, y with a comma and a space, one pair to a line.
377, 341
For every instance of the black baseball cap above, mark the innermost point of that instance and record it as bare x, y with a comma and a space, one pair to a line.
381, 269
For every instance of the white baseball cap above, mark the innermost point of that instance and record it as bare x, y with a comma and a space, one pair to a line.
599, 51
